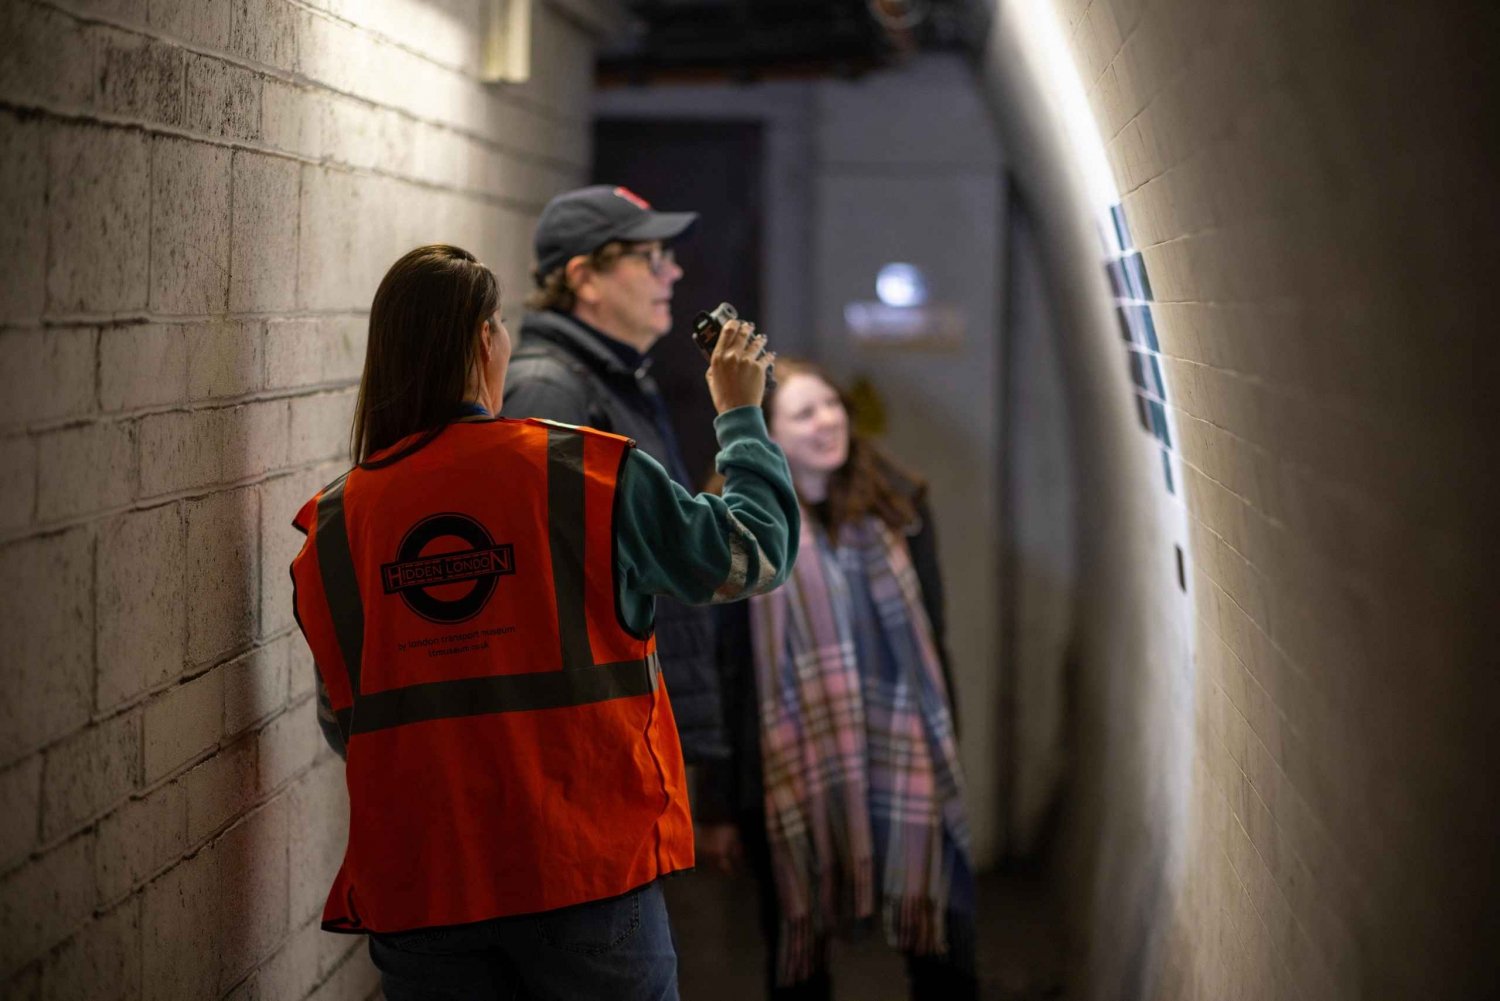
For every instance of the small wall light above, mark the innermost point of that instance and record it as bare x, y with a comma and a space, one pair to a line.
507, 41
899, 284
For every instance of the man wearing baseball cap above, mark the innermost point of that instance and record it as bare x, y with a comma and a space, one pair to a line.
604, 276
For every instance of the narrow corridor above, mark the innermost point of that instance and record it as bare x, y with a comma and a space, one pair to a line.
1022, 950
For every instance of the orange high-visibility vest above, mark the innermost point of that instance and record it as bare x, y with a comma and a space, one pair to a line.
510, 745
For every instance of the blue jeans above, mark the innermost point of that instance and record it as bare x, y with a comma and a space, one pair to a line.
619, 949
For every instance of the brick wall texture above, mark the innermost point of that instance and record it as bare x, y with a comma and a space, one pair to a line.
1308, 184
197, 200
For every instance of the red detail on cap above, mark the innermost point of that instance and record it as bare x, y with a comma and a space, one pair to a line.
634, 199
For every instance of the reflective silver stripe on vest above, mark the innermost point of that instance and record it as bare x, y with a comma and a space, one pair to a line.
577, 681
508, 693
565, 530
340, 587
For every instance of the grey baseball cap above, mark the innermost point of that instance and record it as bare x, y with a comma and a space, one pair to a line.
582, 221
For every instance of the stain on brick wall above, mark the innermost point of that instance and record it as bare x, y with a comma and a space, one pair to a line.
197, 200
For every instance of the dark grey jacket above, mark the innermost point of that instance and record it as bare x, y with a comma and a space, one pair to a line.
563, 373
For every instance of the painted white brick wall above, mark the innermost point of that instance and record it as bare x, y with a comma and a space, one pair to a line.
197, 200
1308, 190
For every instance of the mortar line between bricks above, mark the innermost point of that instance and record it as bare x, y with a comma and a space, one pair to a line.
1275, 819
1241, 439
946, 170
296, 76
255, 806
1255, 623
148, 503
30, 857
89, 821
498, 89
258, 605
183, 50
233, 243
220, 746
1305, 676
1146, 102
105, 119
97, 339
248, 736
300, 80
1332, 402
189, 407
265, 360
151, 205
1271, 519
36, 475
522, 100
99, 912
1253, 678
135, 317
1338, 571
293, 931
1239, 878
338, 968
1290, 213
94, 653
49, 259
222, 659
140, 699
1316, 472
270, 69
1254, 379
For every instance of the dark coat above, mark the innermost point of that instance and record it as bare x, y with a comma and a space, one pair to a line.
562, 372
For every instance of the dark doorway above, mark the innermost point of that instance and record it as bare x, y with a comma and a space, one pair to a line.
712, 168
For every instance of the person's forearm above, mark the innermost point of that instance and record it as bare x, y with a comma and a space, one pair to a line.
707, 549
763, 509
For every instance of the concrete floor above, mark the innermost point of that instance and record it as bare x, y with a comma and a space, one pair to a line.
1022, 956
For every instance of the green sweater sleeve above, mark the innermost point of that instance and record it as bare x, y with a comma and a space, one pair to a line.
706, 549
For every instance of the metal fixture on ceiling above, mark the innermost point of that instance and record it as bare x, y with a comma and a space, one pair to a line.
756, 39
899, 15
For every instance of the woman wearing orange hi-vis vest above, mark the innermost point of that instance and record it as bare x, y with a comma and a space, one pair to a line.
477, 593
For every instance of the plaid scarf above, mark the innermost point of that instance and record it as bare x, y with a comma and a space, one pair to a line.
861, 768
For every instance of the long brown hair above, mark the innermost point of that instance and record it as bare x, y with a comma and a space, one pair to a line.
869, 482
424, 341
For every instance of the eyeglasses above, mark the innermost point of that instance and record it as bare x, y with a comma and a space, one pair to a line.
658, 259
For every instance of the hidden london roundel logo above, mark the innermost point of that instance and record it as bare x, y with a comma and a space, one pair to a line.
429, 581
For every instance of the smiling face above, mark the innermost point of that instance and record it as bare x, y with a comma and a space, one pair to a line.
809, 422
627, 300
